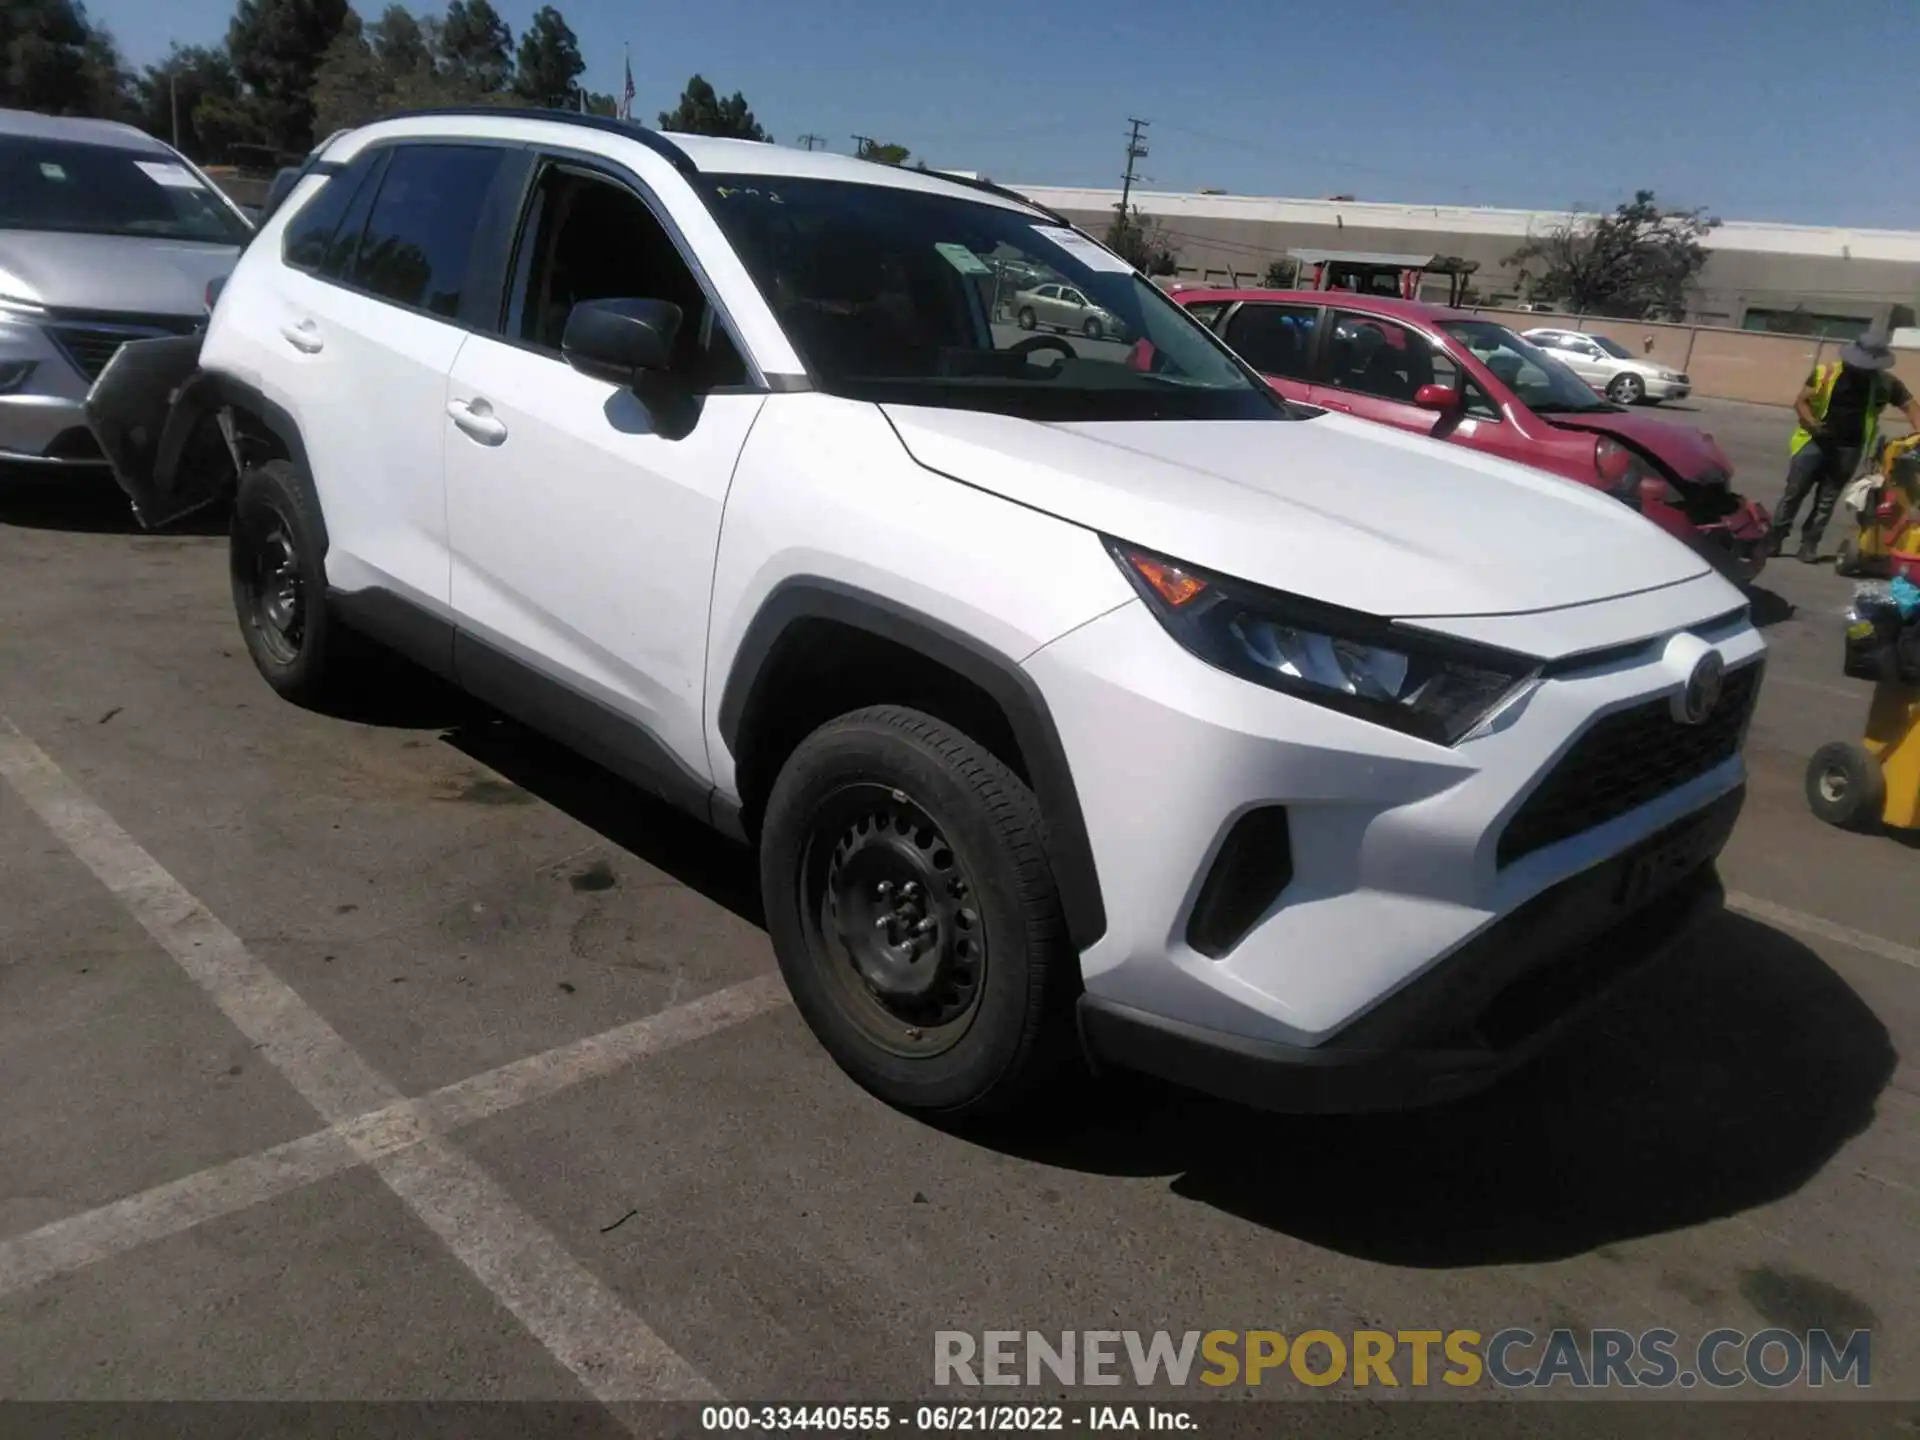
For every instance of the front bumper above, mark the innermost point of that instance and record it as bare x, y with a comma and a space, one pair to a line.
1658, 389
1486, 1009
1391, 859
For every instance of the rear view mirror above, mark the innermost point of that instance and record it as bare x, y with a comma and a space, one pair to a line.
620, 340
1443, 398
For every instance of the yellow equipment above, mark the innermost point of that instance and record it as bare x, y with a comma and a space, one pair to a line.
1876, 781
1886, 507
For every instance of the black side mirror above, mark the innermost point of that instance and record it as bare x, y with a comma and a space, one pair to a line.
619, 341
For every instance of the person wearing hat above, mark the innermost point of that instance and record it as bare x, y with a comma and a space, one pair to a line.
1839, 409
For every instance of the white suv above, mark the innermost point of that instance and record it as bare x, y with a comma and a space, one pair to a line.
1082, 700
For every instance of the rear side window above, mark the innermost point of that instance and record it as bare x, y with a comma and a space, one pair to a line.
419, 233
1275, 339
311, 231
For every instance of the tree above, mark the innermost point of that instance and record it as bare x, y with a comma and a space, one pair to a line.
476, 47
399, 42
362, 79
1281, 275
1635, 264
702, 112
276, 47
186, 80
882, 153
1139, 240
549, 63
53, 59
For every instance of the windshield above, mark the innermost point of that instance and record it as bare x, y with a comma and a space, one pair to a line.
1538, 381
917, 298
1612, 347
99, 190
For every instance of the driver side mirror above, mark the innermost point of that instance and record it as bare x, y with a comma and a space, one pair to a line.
1443, 398
619, 341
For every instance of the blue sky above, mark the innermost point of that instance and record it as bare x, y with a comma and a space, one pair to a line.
1756, 109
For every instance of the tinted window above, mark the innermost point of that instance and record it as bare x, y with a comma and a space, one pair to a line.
588, 239
1275, 339
1208, 312
1378, 357
900, 295
1539, 381
308, 234
420, 232
101, 190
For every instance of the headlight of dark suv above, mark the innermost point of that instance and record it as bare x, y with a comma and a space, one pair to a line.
1429, 686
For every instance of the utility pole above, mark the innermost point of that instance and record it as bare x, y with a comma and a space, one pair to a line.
861, 144
1135, 151
810, 140
173, 101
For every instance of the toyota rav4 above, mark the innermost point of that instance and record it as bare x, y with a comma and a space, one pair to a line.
1084, 698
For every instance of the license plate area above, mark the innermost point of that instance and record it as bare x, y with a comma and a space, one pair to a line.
1666, 860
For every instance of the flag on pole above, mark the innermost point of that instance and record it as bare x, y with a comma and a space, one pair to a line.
626, 93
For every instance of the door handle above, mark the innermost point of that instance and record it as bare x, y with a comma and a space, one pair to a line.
477, 421
304, 336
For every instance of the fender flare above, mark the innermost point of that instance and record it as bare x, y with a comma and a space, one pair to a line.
802, 598
239, 395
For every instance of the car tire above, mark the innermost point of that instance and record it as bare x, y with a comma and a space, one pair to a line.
1627, 389
1845, 786
915, 915
1092, 329
276, 564
1026, 319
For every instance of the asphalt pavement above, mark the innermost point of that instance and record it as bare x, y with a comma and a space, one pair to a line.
398, 1055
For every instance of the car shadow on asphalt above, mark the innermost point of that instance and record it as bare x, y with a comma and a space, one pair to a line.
1722, 1080
88, 503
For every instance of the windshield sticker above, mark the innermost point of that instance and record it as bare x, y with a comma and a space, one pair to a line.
52, 171
1087, 252
964, 260
174, 177
727, 192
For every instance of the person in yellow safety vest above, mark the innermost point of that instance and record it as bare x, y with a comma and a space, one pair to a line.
1839, 409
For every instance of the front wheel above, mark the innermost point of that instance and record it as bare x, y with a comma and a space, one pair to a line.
279, 583
1628, 389
915, 916
1845, 786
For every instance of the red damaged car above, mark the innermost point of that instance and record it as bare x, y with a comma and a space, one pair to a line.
1461, 377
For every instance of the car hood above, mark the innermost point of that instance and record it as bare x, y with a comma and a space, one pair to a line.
130, 274
1689, 453
1333, 509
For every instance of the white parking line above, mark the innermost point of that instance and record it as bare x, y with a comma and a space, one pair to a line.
609, 1349
95, 1235
1825, 929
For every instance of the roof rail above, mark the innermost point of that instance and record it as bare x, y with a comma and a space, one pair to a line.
652, 139
1002, 191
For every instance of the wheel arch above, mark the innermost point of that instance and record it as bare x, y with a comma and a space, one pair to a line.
277, 434
758, 725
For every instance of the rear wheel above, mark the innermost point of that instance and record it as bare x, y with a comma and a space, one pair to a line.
1091, 329
1845, 786
279, 583
1026, 318
915, 916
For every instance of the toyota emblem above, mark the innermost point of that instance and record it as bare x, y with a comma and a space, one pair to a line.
1696, 699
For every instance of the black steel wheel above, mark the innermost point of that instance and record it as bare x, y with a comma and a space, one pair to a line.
275, 561
915, 917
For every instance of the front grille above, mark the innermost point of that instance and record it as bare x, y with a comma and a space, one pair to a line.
1625, 760
88, 346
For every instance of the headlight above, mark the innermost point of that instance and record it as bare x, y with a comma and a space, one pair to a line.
1429, 686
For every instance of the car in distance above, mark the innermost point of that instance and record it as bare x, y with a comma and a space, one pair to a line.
106, 235
1465, 379
1615, 371
1062, 307
1077, 705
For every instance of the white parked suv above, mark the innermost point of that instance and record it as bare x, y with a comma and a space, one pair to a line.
1079, 706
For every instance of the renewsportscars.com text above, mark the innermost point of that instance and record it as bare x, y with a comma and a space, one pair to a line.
1511, 1358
